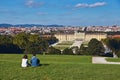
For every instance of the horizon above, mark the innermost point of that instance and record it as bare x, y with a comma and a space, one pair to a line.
60, 25
61, 12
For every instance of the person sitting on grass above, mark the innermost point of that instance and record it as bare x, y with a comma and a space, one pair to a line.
25, 61
35, 61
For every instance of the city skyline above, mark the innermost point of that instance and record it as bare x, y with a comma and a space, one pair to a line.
62, 12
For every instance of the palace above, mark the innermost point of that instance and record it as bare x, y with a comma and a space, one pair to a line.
84, 36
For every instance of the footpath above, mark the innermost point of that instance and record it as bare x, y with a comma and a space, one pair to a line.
102, 60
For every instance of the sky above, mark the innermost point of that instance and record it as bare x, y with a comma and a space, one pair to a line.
62, 12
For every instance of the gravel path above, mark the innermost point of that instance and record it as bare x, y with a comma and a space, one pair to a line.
76, 43
102, 60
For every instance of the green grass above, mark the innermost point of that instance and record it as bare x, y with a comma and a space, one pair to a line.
113, 59
66, 43
57, 67
61, 47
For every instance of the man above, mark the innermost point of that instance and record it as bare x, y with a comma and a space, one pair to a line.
35, 61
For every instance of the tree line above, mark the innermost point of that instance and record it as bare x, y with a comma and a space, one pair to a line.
25, 43
29, 43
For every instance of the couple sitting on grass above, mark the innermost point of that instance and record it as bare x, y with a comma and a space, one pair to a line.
34, 61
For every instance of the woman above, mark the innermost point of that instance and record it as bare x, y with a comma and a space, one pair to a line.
25, 61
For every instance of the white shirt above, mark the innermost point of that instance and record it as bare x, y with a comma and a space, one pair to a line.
24, 63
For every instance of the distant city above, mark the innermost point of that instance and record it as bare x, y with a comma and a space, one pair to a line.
9, 29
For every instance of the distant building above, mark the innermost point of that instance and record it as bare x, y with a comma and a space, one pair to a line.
98, 36
79, 36
115, 36
82, 36
108, 30
65, 37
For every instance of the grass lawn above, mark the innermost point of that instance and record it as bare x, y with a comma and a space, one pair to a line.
61, 47
113, 59
66, 43
57, 67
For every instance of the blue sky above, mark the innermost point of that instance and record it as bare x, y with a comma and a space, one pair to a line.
63, 12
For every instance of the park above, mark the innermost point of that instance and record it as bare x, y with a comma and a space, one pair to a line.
59, 40
57, 62
57, 67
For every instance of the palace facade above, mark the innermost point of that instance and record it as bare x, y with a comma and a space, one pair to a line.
80, 36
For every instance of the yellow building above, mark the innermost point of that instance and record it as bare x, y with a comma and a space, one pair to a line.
65, 37
80, 36
97, 36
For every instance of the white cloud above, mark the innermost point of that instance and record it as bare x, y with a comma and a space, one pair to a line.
85, 5
81, 5
98, 4
32, 3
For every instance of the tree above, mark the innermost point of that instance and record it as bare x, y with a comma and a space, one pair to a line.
9, 48
75, 50
51, 40
113, 44
67, 51
83, 50
95, 47
33, 48
4, 39
28, 43
52, 50
34, 38
21, 40
44, 45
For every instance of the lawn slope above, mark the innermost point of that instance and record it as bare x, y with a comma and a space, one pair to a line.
57, 67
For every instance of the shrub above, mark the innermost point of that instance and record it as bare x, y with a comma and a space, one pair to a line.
52, 50
67, 51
